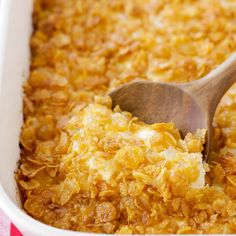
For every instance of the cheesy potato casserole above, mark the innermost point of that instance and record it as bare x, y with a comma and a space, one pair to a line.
87, 167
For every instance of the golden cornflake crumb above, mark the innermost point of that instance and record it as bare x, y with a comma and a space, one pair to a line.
89, 168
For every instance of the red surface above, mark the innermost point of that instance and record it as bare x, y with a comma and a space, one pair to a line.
6, 227
14, 231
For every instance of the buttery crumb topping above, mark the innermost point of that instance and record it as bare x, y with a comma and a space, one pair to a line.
87, 167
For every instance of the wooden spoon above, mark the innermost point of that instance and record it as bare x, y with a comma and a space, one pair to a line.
189, 105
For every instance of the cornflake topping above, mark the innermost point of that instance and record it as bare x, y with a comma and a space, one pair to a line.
90, 168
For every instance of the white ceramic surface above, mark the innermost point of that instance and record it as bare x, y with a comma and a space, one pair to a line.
15, 31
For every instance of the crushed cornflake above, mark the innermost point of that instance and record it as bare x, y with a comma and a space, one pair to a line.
90, 168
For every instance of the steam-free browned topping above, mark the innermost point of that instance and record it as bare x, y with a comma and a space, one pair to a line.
89, 168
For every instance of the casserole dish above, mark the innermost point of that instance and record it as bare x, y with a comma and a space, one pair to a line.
15, 31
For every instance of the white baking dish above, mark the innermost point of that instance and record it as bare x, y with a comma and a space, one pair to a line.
15, 31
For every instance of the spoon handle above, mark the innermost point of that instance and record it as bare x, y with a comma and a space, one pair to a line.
210, 89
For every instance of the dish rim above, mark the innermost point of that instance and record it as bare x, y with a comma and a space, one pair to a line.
22, 220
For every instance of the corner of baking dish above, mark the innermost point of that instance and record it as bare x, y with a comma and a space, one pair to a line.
15, 31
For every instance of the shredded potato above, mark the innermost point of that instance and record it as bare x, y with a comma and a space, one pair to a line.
87, 167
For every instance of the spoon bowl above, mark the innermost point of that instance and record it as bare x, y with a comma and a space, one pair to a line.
190, 106
154, 102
